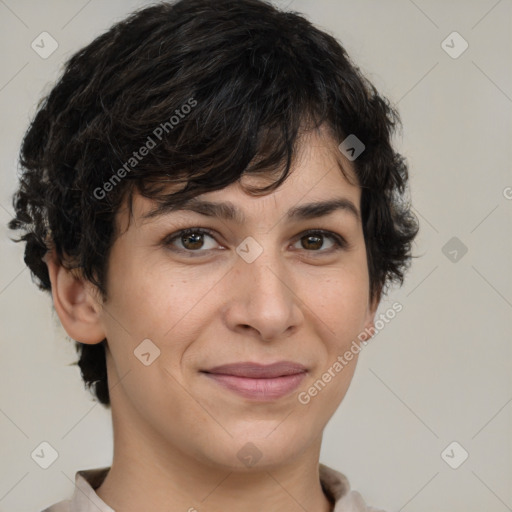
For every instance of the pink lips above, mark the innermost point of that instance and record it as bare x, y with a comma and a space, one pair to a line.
259, 382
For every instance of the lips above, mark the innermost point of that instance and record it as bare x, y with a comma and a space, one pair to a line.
259, 371
259, 382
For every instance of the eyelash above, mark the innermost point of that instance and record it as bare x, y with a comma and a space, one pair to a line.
339, 242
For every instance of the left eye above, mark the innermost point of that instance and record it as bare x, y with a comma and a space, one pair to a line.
193, 240
315, 239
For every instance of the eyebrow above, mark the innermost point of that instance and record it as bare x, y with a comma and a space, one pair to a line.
228, 211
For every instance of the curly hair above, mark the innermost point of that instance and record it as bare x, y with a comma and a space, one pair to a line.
252, 77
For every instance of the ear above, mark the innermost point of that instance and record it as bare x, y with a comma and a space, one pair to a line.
75, 301
369, 326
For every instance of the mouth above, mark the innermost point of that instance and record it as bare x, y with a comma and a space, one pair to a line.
259, 382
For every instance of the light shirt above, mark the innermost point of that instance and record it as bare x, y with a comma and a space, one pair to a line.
335, 485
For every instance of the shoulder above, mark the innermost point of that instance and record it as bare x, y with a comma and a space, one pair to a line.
354, 502
337, 487
61, 506
84, 498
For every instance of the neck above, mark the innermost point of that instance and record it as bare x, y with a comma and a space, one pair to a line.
145, 475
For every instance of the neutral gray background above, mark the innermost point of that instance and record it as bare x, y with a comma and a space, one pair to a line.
439, 372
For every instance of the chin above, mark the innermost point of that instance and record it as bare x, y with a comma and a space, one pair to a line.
254, 448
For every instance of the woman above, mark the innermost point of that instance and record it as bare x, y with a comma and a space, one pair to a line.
211, 197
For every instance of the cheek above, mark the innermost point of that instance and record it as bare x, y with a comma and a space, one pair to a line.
171, 310
322, 395
341, 302
154, 300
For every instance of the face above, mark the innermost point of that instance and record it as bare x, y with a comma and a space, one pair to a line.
248, 294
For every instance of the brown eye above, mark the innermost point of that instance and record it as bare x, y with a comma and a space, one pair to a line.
313, 241
190, 240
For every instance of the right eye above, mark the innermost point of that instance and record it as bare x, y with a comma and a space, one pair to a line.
192, 240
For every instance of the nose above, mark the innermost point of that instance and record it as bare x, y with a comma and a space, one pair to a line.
263, 298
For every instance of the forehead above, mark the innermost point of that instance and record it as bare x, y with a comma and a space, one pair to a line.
318, 174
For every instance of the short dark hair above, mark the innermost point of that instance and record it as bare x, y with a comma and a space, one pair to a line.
231, 84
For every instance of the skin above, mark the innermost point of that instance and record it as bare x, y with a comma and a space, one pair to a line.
177, 433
